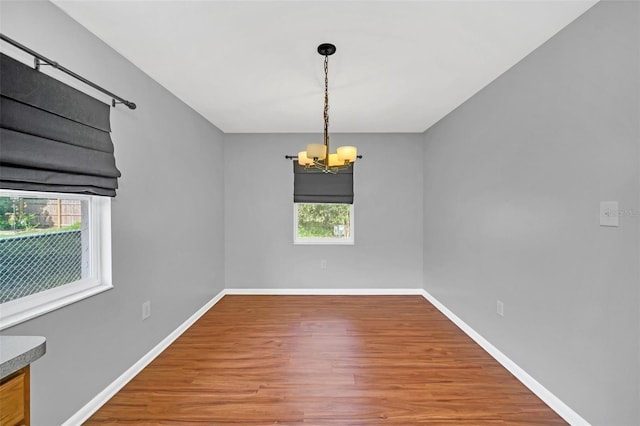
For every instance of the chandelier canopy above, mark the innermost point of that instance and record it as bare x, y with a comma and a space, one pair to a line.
318, 155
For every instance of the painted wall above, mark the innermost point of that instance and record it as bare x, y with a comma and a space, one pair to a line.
512, 184
167, 221
259, 215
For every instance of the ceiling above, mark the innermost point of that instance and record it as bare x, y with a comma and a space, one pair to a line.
252, 66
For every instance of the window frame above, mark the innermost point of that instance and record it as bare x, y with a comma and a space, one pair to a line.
25, 308
323, 240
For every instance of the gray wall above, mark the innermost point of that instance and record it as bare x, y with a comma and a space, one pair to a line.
168, 235
512, 184
259, 215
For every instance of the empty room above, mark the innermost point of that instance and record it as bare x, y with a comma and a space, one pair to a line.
320, 212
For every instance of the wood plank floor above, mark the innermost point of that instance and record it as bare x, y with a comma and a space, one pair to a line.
324, 360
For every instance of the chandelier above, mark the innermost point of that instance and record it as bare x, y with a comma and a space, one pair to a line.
318, 155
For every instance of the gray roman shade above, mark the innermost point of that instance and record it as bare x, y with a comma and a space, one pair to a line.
53, 138
314, 186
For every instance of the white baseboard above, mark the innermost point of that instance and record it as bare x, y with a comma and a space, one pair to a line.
100, 399
327, 291
544, 394
562, 409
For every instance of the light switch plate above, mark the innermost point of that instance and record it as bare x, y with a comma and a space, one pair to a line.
609, 213
146, 309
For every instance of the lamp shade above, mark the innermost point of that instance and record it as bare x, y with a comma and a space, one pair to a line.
347, 153
316, 150
303, 160
333, 160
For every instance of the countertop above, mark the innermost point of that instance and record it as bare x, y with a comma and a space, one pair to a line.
19, 351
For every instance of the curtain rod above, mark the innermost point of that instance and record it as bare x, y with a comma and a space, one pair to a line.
38, 57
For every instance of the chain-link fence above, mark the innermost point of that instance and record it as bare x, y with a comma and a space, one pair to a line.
34, 263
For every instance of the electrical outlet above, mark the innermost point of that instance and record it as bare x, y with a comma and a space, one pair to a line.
500, 308
609, 213
146, 309
323, 264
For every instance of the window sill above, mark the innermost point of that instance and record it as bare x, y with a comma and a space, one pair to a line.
24, 309
324, 242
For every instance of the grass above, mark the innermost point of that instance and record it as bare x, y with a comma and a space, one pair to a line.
36, 231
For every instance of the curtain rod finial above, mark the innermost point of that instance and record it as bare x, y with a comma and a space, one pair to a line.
131, 105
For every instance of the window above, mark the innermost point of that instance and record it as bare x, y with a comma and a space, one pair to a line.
323, 223
54, 250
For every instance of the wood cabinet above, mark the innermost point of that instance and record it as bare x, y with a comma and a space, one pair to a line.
14, 398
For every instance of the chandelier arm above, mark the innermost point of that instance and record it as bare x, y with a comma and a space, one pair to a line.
324, 168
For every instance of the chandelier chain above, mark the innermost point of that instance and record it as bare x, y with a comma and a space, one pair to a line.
326, 100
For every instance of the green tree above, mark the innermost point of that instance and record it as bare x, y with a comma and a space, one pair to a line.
12, 215
6, 208
318, 220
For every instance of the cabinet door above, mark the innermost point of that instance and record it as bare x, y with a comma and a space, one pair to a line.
14, 399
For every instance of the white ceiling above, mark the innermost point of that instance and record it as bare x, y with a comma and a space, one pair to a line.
252, 66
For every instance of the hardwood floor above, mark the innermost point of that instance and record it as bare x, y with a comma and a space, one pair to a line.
324, 360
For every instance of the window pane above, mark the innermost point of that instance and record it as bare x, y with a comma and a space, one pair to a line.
324, 221
41, 244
